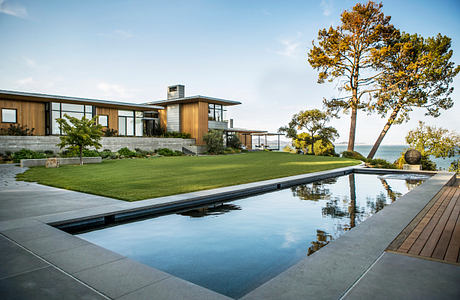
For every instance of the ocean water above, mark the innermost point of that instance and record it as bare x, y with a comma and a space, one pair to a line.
393, 152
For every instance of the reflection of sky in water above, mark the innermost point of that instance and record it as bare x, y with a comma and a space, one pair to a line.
235, 247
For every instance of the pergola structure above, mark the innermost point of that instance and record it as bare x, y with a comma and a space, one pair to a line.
246, 135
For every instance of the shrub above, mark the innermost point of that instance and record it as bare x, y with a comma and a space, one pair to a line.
353, 155
179, 135
381, 163
234, 142
75, 153
106, 153
126, 152
27, 154
168, 152
214, 141
142, 153
455, 166
17, 130
427, 163
110, 132
289, 149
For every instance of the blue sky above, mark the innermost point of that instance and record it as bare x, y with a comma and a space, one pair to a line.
251, 51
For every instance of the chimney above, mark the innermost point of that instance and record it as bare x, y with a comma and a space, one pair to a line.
176, 91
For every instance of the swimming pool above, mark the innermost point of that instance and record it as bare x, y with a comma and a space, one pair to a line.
234, 247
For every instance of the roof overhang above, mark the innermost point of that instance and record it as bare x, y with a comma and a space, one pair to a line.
36, 97
245, 131
193, 99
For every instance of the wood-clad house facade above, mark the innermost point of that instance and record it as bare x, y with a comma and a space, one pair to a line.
39, 112
195, 115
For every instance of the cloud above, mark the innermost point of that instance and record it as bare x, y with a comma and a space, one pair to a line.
122, 34
326, 6
41, 85
13, 9
112, 89
290, 46
25, 82
266, 12
30, 62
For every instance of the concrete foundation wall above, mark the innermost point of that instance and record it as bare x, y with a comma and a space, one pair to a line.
43, 143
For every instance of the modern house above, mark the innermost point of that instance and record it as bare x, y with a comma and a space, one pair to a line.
199, 114
195, 115
40, 111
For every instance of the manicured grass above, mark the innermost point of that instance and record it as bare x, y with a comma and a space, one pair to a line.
137, 179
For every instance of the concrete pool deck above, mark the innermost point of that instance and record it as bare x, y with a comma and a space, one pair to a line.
41, 262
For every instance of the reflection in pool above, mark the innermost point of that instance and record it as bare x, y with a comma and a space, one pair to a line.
236, 246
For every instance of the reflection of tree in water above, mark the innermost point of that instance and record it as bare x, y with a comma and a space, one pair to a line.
412, 183
313, 191
322, 239
378, 204
392, 195
216, 209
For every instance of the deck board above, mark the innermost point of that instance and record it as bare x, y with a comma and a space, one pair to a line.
435, 232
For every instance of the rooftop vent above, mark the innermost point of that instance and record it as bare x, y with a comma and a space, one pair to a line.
176, 91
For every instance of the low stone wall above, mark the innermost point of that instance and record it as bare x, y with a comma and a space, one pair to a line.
43, 143
62, 161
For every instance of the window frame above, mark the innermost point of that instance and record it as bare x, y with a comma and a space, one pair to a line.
15, 115
106, 120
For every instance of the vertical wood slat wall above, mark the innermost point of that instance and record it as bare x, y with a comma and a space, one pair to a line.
194, 120
112, 114
29, 114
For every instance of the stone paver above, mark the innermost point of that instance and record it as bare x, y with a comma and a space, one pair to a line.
396, 276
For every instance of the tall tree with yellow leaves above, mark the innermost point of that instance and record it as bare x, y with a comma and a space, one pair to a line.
345, 53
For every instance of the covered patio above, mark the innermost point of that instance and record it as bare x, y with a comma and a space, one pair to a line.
254, 139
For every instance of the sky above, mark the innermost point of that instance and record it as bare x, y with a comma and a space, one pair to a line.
254, 52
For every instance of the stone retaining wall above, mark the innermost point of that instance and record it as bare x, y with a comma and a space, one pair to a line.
62, 161
43, 143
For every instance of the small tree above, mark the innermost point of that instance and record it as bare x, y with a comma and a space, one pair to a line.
314, 122
415, 73
80, 134
215, 141
345, 53
438, 142
234, 142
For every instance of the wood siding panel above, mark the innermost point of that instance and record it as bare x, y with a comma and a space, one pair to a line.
246, 140
30, 114
202, 122
112, 114
163, 118
194, 120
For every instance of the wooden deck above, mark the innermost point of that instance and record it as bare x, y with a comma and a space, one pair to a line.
435, 232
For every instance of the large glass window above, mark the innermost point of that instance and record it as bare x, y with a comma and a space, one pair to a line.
9, 115
58, 110
130, 123
216, 112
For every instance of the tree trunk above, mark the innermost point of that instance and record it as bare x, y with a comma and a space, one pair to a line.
351, 138
385, 129
312, 144
352, 207
81, 156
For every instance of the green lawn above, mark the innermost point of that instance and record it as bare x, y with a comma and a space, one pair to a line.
137, 179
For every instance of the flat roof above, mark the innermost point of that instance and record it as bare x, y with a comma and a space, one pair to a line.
38, 97
195, 99
244, 130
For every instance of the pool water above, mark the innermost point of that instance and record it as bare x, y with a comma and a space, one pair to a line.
236, 246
